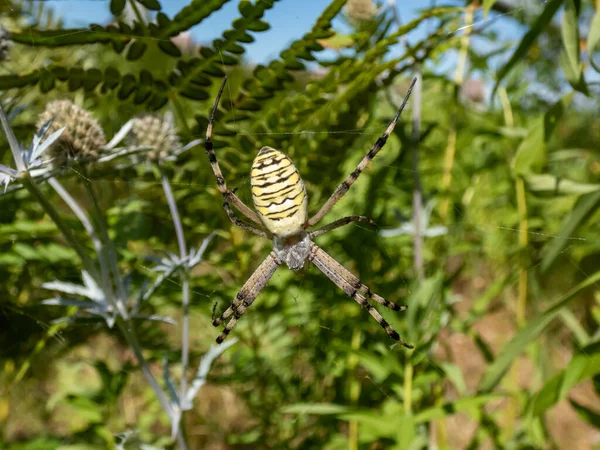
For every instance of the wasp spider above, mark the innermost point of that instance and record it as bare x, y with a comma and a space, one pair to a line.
280, 201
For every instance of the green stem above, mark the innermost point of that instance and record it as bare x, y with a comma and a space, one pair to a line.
523, 242
354, 389
408, 376
108, 248
459, 77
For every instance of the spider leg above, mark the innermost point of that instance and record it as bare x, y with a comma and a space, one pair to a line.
340, 223
248, 294
343, 188
228, 195
352, 286
243, 225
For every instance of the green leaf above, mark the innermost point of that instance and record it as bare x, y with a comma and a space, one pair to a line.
593, 39
570, 37
582, 211
465, 404
169, 48
87, 409
315, 408
527, 334
454, 374
117, 6
487, 6
211, 60
338, 41
153, 5
136, 50
245, 8
552, 184
191, 15
591, 417
536, 29
583, 365
532, 152
373, 425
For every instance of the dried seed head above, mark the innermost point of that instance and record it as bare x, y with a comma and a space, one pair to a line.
4, 44
360, 10
83, 136
156, 131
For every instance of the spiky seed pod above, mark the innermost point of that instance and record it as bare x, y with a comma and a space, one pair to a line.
360, 10
156, 131
4, 44
83, 136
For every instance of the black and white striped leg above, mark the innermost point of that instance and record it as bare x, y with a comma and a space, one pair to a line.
338, 274
228, 195
343, 188
243, 225
248, 294
340, 223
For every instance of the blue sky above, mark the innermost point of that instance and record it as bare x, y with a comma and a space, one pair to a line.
289, 20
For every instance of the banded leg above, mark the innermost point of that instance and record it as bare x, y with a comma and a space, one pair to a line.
352, 280
340, 223
243, 225
228, 195
352, 287
343, 188
248, 294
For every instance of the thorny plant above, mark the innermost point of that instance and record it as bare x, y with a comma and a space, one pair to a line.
106, 292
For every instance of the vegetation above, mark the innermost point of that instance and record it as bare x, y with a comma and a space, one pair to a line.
115, 252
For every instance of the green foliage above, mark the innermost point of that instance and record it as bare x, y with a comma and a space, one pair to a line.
313, 370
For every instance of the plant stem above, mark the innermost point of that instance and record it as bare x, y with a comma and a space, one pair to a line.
417, 189
408, 375
109, 249
185, 288
354, 389
87, 224
523, 242
78, 211
458, 80
133, 342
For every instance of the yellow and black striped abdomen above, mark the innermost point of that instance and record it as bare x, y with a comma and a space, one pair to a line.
278, 192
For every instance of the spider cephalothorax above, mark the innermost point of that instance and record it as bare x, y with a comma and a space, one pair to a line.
280, 201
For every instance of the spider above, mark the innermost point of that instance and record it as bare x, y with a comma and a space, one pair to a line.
280, 201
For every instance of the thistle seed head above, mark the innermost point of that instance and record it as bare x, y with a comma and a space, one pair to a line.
360, 10
152, 130
83, 136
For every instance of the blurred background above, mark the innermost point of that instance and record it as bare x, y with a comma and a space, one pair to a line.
486, 196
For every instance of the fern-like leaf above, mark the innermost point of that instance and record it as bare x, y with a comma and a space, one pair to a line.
190, 15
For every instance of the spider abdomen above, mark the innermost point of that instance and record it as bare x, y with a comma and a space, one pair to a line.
278, 192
